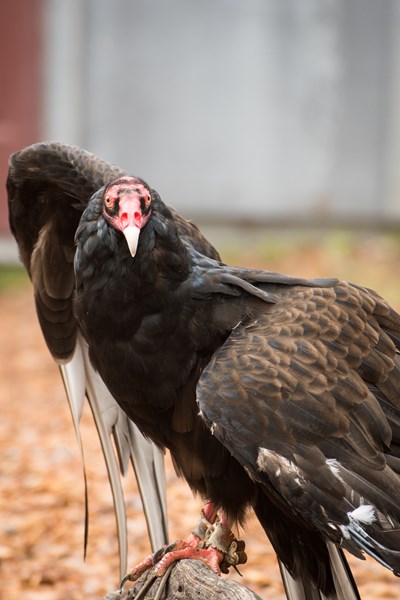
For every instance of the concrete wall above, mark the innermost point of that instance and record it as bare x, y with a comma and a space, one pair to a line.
272, 110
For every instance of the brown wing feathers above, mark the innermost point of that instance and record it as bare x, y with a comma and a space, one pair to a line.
320, 374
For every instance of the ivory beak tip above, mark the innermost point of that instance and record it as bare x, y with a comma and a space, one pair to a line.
131, 234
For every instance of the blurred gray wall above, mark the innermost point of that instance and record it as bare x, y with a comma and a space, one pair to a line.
263, 110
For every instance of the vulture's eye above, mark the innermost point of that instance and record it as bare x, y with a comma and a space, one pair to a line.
108, 201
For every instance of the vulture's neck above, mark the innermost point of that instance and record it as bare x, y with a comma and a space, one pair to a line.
117, 293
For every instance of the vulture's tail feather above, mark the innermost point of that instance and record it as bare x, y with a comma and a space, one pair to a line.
302, 588
311, 568
80, 380
73, 376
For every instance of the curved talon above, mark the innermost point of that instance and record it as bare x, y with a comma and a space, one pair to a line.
141, 568
156, 557
124, 580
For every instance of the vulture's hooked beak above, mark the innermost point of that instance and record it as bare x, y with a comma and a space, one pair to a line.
131, 233
129, 201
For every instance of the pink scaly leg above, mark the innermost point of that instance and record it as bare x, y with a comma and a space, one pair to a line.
210, 556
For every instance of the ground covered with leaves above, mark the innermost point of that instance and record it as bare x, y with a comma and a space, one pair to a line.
41, 483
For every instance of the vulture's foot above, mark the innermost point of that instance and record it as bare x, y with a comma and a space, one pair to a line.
211, 541
218, 548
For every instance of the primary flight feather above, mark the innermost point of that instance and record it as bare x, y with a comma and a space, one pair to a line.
271, 392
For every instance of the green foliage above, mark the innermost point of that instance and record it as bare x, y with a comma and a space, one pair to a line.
12, 277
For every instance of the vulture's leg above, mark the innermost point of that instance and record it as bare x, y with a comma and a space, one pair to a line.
211, 542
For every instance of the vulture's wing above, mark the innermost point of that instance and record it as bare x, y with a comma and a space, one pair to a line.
49, 185
305, 394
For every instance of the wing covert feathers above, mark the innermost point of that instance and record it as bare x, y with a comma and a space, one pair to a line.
306, 397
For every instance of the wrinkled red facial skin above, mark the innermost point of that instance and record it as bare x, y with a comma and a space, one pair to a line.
125, 203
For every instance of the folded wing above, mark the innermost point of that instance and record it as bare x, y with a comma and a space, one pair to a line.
49, 185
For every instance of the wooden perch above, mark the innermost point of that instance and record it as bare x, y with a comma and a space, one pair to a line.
188, 580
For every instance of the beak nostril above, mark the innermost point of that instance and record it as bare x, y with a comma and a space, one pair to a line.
127, 218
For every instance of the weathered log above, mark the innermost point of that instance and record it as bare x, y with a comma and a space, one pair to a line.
188, 580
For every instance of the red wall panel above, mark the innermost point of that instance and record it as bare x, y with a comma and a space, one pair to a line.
21, 25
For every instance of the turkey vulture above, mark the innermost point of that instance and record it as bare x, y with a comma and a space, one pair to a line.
271, 392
